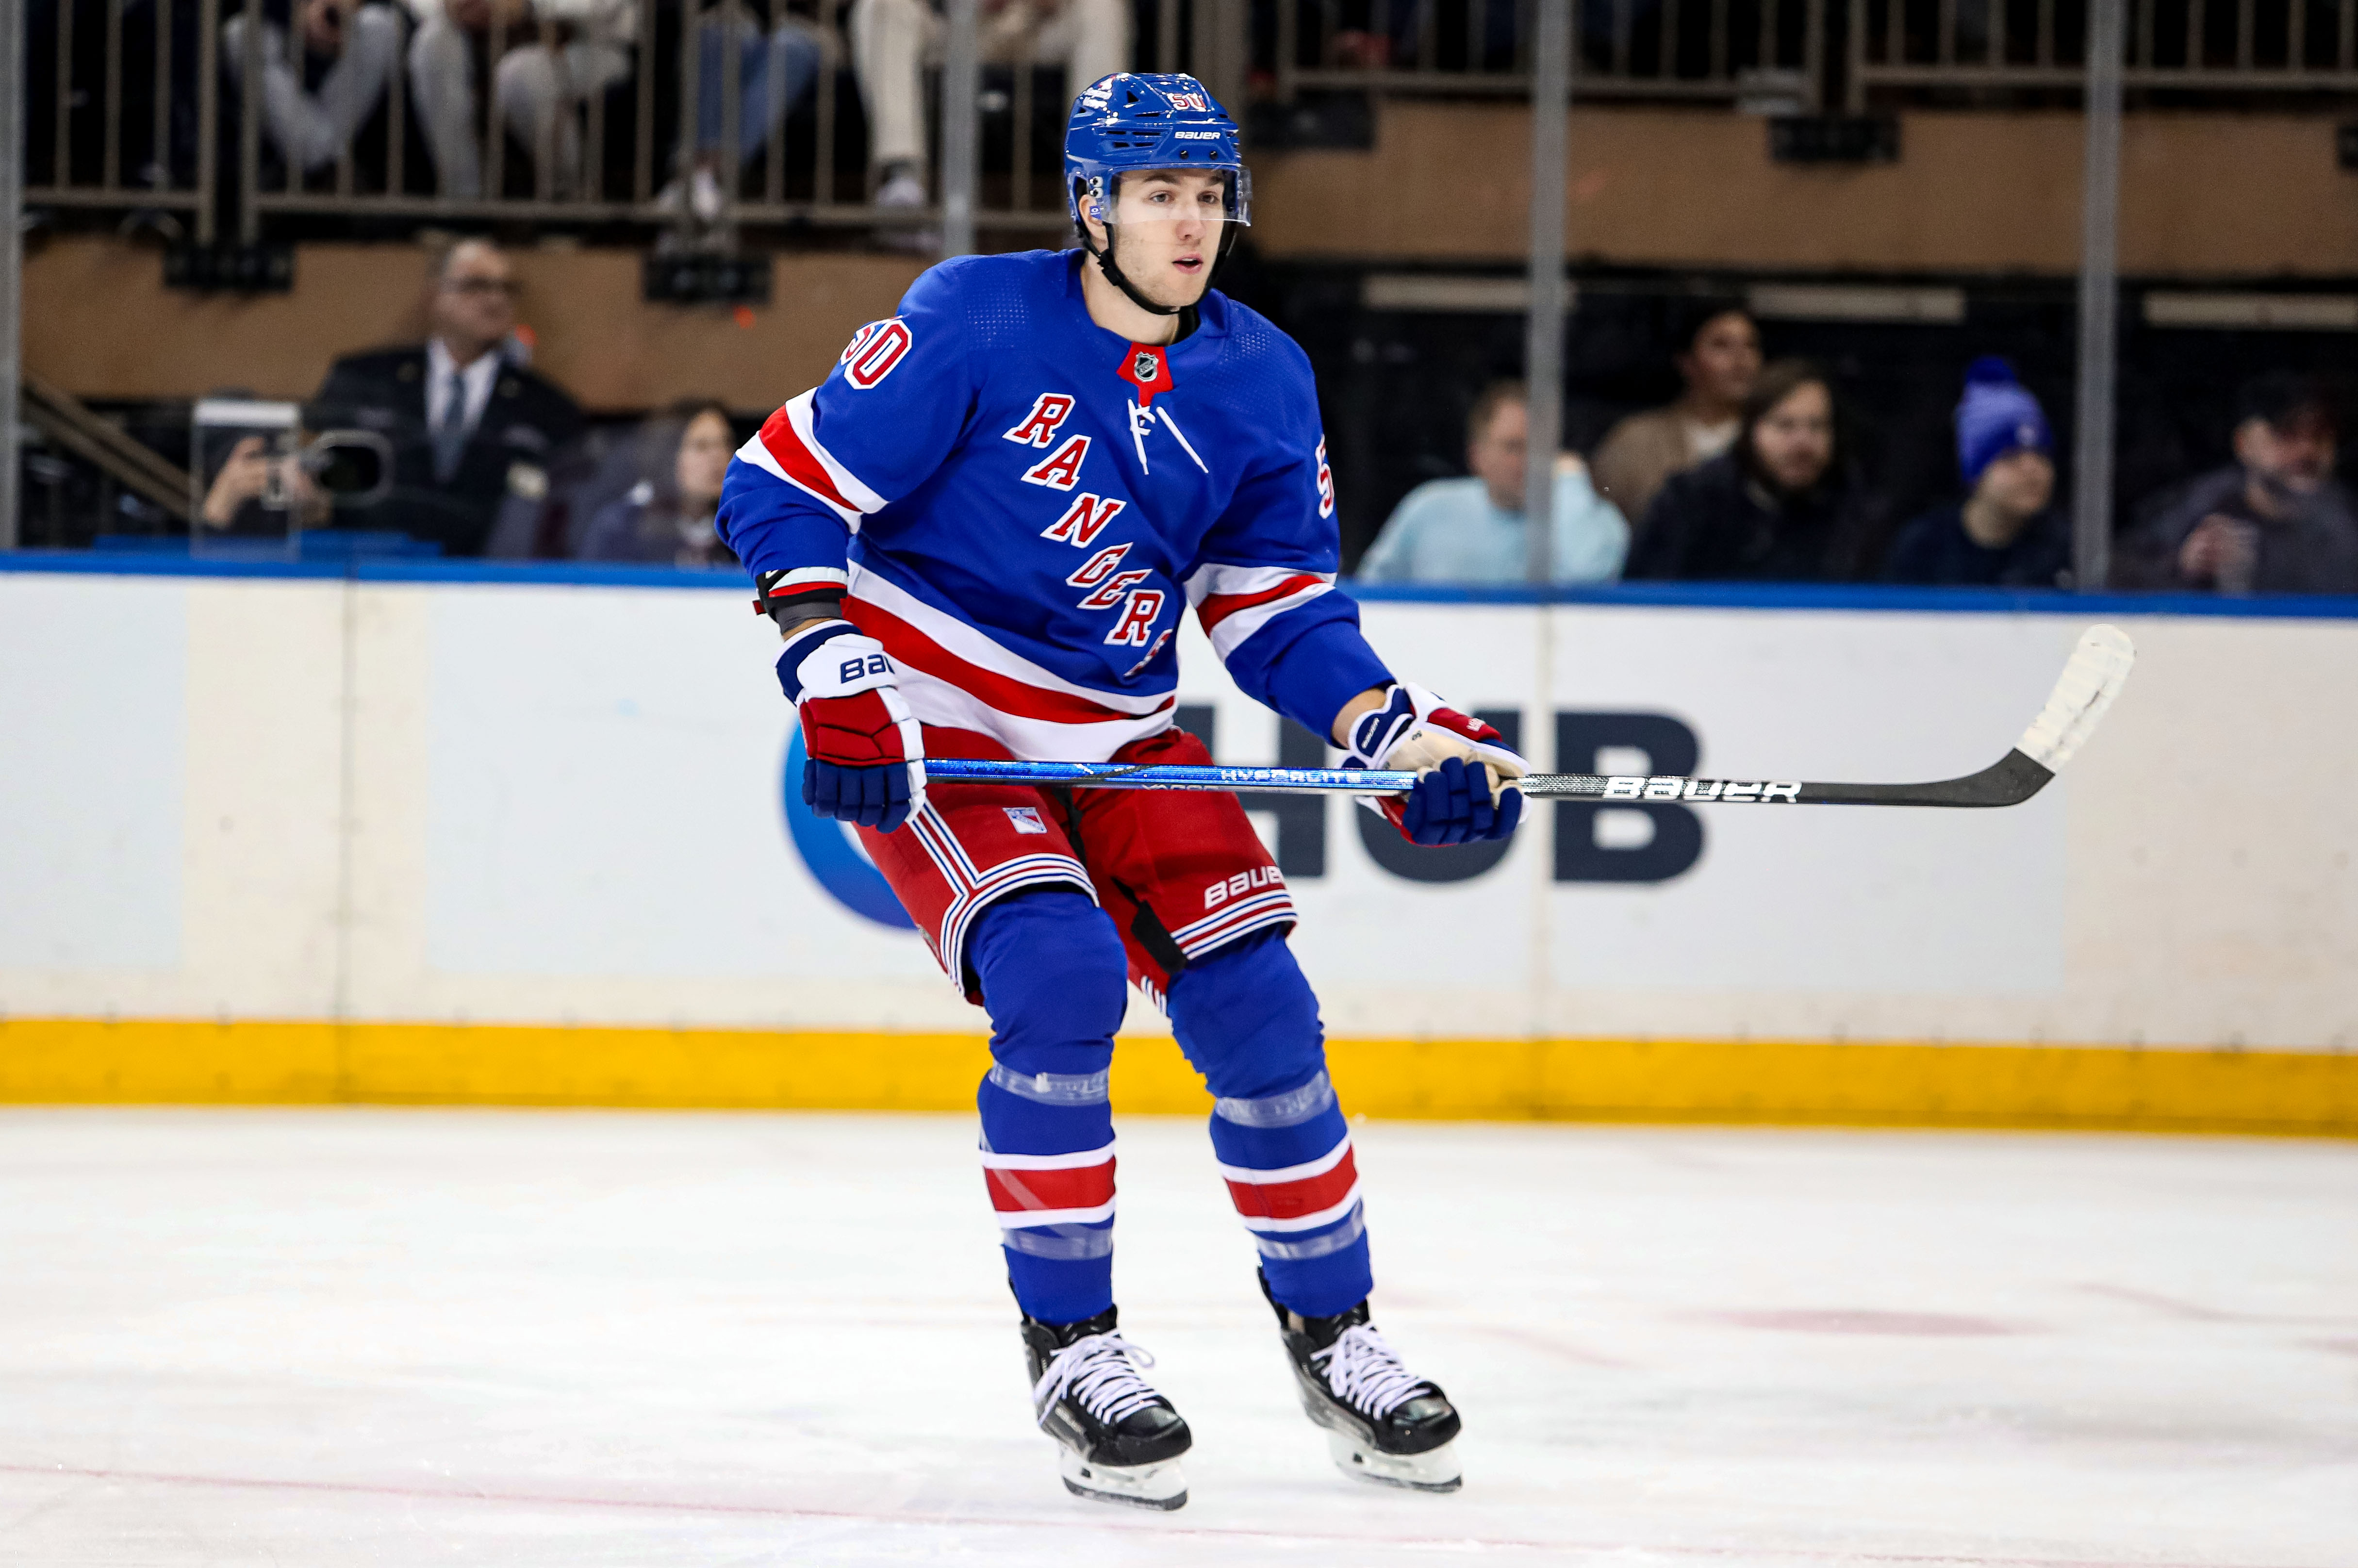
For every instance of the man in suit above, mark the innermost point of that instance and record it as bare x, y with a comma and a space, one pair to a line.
474, 434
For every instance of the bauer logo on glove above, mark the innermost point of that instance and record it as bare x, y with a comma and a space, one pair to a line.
867, 754
1465, 789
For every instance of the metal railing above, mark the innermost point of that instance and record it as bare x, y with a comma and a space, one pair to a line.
143, 105
1709, 50
2251, 48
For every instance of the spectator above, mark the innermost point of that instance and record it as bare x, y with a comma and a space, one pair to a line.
252, 484
2006, 533
667, 517
774, 70
583, 46
316, 100
1472, 529
892, 40
1778, 507
471, 429
1718, 363
2274, 521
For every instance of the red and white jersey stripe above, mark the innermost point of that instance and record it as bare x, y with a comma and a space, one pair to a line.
1297, 1197
788, 447
1231, 921
1049, 1189
955, 678
807, 580
973, 890
1234, 602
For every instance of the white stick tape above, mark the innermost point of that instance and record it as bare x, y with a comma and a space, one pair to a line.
2099, 667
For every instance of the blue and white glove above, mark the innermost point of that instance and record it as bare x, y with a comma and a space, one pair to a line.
1465, 788
867, 754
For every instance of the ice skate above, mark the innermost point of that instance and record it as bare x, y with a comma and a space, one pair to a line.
1119, 1440
1382, 1424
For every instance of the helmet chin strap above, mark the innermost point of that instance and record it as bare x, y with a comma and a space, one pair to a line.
1103, 258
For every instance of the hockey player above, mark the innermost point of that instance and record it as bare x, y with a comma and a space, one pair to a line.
976, 537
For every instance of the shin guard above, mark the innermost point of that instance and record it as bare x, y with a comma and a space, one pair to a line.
1247, 1022
1052, 973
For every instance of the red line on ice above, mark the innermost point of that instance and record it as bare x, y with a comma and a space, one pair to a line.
764, 1511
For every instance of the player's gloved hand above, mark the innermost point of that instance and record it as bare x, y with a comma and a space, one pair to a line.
1465, 789
867, 755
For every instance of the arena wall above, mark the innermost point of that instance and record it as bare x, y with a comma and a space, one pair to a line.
2202, 196
474, 834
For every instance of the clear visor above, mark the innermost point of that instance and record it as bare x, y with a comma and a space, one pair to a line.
1182, 196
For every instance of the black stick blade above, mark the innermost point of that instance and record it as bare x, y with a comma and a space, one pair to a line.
2098, 667
2011, 780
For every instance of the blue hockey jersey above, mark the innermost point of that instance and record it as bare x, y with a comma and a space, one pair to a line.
1020, 505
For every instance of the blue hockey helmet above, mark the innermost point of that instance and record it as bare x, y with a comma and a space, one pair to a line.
1140, 120
1134, 121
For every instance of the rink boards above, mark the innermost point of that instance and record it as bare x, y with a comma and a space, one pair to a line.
474, 836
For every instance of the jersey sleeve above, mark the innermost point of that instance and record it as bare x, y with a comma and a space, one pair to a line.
888, 414
1263, 581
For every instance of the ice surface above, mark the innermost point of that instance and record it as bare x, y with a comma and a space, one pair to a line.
335, 1338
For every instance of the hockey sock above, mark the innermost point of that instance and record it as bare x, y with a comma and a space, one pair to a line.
1247, 1021
1053, 979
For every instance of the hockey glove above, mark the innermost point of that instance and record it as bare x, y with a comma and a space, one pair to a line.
1465, 788
867, 756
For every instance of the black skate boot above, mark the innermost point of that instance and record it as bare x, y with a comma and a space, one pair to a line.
1119, 1440
1381, 1424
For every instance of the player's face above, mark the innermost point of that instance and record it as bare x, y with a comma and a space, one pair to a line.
1170, 222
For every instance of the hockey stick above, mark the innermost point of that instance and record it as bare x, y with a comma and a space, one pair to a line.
2098, 667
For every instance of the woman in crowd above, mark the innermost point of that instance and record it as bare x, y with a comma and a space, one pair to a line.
667, 518
1718, 363
1778, 506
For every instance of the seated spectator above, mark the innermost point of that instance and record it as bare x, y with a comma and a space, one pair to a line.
1780, 506
582, 47
252, 484
472, 429
315, 100
774, 70
1718, 363
893, 40
667, 517
1472, 530
2274, 521
2006, 533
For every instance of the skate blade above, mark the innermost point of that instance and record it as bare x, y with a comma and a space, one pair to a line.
1436, 1471
1160, 1486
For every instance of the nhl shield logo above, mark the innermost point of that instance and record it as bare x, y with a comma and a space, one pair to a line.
1147, 370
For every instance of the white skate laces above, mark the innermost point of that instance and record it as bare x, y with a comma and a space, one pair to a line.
1365, 1372
1101, 1372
